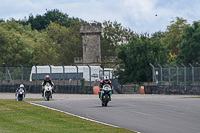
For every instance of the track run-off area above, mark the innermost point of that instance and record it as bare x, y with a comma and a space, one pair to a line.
136, 112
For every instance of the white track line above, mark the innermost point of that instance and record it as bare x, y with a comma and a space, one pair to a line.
76, 115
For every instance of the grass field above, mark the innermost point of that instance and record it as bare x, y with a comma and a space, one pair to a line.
22, 117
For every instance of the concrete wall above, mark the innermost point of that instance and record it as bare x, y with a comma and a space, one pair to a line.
69, 89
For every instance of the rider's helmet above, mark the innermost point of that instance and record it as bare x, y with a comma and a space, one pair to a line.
106, 78
21, 86
47, 77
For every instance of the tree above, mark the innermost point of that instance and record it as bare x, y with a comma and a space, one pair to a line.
15, 43
190, 47
136, 57
59, 44
42, 21
113, 35
173, 34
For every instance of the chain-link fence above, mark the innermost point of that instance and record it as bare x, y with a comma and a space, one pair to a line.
175, 75
65, 77
14, 75
68, 75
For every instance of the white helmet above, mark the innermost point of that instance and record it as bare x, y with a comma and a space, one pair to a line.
21, 86
106, 78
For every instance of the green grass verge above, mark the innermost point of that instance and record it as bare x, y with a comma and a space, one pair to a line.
22, 117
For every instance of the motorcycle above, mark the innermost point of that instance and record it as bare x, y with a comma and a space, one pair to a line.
20, 95
105, 94
47, 92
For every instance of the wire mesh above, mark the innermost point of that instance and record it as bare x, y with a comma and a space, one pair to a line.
182, 76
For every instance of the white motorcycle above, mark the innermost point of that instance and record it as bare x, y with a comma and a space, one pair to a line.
47, 92
20, 95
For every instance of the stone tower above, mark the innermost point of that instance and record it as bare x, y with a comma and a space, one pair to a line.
91, 44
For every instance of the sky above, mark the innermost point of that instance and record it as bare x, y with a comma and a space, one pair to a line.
141, 16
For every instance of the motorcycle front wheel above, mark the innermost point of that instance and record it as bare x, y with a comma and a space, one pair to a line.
47, 97
105, 100
20, 98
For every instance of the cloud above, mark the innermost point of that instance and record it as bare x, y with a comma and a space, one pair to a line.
139, 15
18, 10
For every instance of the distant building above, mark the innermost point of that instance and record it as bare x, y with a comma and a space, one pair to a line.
91, 45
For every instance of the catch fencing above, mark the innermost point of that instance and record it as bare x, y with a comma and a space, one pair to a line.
176, 75
65, 82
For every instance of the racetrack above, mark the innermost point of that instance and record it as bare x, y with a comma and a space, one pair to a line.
142, 113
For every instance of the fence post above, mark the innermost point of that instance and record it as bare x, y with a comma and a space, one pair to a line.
77, 77
50, 71
153, 73
103, 69
176, 74
112, 73
89, 74
35, 76
184, 74
192, 74
169, 73
22, 73
63, 74
161, 74
5, 65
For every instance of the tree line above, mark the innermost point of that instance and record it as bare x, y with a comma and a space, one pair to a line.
53, 38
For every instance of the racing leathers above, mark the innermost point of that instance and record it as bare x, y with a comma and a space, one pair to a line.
44, 83
103, 82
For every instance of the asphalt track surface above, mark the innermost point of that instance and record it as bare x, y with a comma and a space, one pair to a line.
141, 113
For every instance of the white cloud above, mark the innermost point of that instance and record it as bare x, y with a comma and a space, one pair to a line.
139, 15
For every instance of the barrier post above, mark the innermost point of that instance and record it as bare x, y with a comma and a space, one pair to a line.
184, 73
192, 74
77, 77
176, 74
161, 74
153, 73
63, 74
169, 73
22, 73
89, 74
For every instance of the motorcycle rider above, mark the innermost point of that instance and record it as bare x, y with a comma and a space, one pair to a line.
21, 86
47, 80
103, 82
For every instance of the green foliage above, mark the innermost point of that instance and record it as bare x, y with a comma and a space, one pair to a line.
42, 21
58, 45
15, 42
136, 57
82, 80
113, 35
1, 20
173, 34
190, 47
